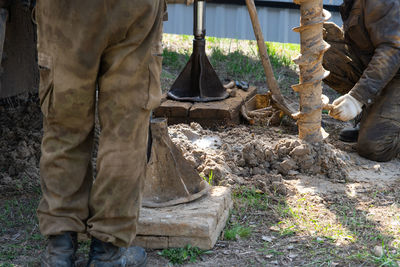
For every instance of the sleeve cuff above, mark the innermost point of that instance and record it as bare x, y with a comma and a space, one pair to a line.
363, 97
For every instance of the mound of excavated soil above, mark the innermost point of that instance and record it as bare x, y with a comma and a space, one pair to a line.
20, 137
269, 159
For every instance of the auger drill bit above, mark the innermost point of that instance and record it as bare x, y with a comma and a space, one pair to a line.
312, 47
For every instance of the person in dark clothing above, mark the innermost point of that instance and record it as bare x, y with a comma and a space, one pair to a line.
364, 61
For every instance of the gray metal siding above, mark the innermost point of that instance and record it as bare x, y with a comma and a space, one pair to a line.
233, 21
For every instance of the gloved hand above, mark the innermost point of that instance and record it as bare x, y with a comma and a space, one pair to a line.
345, 108
189, 2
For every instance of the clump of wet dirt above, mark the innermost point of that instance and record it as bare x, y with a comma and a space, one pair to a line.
20, 138
292, 156
244, 155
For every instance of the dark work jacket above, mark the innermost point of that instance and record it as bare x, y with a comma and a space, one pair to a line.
372, 32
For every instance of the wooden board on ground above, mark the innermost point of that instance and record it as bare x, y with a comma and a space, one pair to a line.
198, 223
224, 112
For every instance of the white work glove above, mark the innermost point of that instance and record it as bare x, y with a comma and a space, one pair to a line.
345, 108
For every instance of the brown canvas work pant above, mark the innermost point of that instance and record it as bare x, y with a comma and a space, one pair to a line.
379, 136
112, 44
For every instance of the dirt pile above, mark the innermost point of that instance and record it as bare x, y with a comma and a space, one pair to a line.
239, 156
292, 156
20, 137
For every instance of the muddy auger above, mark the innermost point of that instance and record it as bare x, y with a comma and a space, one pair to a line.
312, 49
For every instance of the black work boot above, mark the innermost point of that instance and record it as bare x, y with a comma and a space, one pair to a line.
104, 254
60, 250
350, 134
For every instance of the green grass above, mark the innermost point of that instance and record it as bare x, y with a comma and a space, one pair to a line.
234, 59
250, 198
389, 259
182, 255
237, 232
174, 60
18, 221
209, 179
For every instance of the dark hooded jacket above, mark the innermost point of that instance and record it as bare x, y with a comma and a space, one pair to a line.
372, 32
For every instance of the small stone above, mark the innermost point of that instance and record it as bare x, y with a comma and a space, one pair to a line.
378, 251
267, 238
377, 167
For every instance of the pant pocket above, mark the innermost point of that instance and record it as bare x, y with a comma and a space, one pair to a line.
46, 82
154, 94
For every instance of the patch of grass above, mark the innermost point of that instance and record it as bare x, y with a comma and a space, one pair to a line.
237, 232
387, 258
237, 65
235, 59
174, 60
209, 179
251, 198
282, 54
14, 213
182, 255
390, 259
18, 221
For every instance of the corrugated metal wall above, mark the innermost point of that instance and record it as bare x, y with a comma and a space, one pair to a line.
233, 21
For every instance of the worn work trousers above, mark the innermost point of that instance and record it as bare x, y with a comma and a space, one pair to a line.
111, 44
379, 136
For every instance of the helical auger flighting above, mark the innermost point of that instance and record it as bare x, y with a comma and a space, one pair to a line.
312, 49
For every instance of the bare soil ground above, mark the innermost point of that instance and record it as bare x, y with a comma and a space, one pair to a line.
294, 204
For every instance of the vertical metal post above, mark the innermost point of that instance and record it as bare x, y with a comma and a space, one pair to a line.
199, 16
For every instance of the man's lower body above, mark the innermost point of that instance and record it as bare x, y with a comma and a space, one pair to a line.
378, 136
82, 45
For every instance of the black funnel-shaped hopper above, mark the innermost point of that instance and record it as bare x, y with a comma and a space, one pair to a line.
198, 82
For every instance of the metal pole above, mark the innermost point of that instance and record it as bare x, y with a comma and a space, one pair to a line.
199, 17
